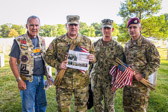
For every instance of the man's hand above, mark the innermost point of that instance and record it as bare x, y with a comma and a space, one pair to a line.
138, 76
21, 85
91, 57
63, 65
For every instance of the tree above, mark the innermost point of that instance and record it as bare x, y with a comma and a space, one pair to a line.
83, 28
45, 30
13, 33
4, 31
0, 32
60, 29
91, 32
139, 8
19, 28
53, 32
116, 29
123, 33
156, 26
97, 27
166, 16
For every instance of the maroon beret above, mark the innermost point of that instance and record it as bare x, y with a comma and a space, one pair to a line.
134, 20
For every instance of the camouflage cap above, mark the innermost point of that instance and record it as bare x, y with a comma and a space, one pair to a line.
73, 19
107, 23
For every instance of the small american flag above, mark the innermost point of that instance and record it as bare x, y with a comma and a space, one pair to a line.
120, 78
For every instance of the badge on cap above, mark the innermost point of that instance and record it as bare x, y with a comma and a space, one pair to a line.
135, 21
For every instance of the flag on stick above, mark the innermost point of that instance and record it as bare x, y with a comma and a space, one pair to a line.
122, 75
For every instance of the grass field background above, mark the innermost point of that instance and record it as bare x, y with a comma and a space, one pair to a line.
10, 96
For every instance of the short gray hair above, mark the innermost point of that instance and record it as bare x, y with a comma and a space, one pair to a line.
34, 17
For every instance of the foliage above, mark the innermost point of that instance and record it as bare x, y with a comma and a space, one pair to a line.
116, 29
13, 33
19, 28
45, 31
97, 27
123, 34
139, 8
52, 30
60, 30
166, 16
94, 30
5, 29
87, 30
155, 26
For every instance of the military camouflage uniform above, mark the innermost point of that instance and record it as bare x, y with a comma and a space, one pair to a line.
143, 57
74, 81
100, 77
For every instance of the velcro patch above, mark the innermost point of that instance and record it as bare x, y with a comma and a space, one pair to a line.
23, 41
36, 50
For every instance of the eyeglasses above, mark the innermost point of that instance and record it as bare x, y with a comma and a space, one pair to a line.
130, 27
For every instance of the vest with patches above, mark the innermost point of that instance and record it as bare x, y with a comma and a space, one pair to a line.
26, 59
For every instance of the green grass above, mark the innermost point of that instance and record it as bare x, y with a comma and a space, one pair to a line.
10, 96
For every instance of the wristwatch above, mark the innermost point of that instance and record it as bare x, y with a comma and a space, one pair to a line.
18, 79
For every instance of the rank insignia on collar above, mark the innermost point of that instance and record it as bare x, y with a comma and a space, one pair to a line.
23, 42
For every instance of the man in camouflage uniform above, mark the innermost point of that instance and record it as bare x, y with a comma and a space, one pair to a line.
107, 50
74, 81
29, 67
143, 57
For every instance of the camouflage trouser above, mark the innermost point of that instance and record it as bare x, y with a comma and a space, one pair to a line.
135, 98
103, 89
64, 96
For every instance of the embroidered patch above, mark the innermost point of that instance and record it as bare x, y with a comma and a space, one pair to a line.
24, 58
23, 47
23, 69
32, 54
36, 50
23, 41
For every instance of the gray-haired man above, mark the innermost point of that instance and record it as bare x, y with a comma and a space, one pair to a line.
28, 67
